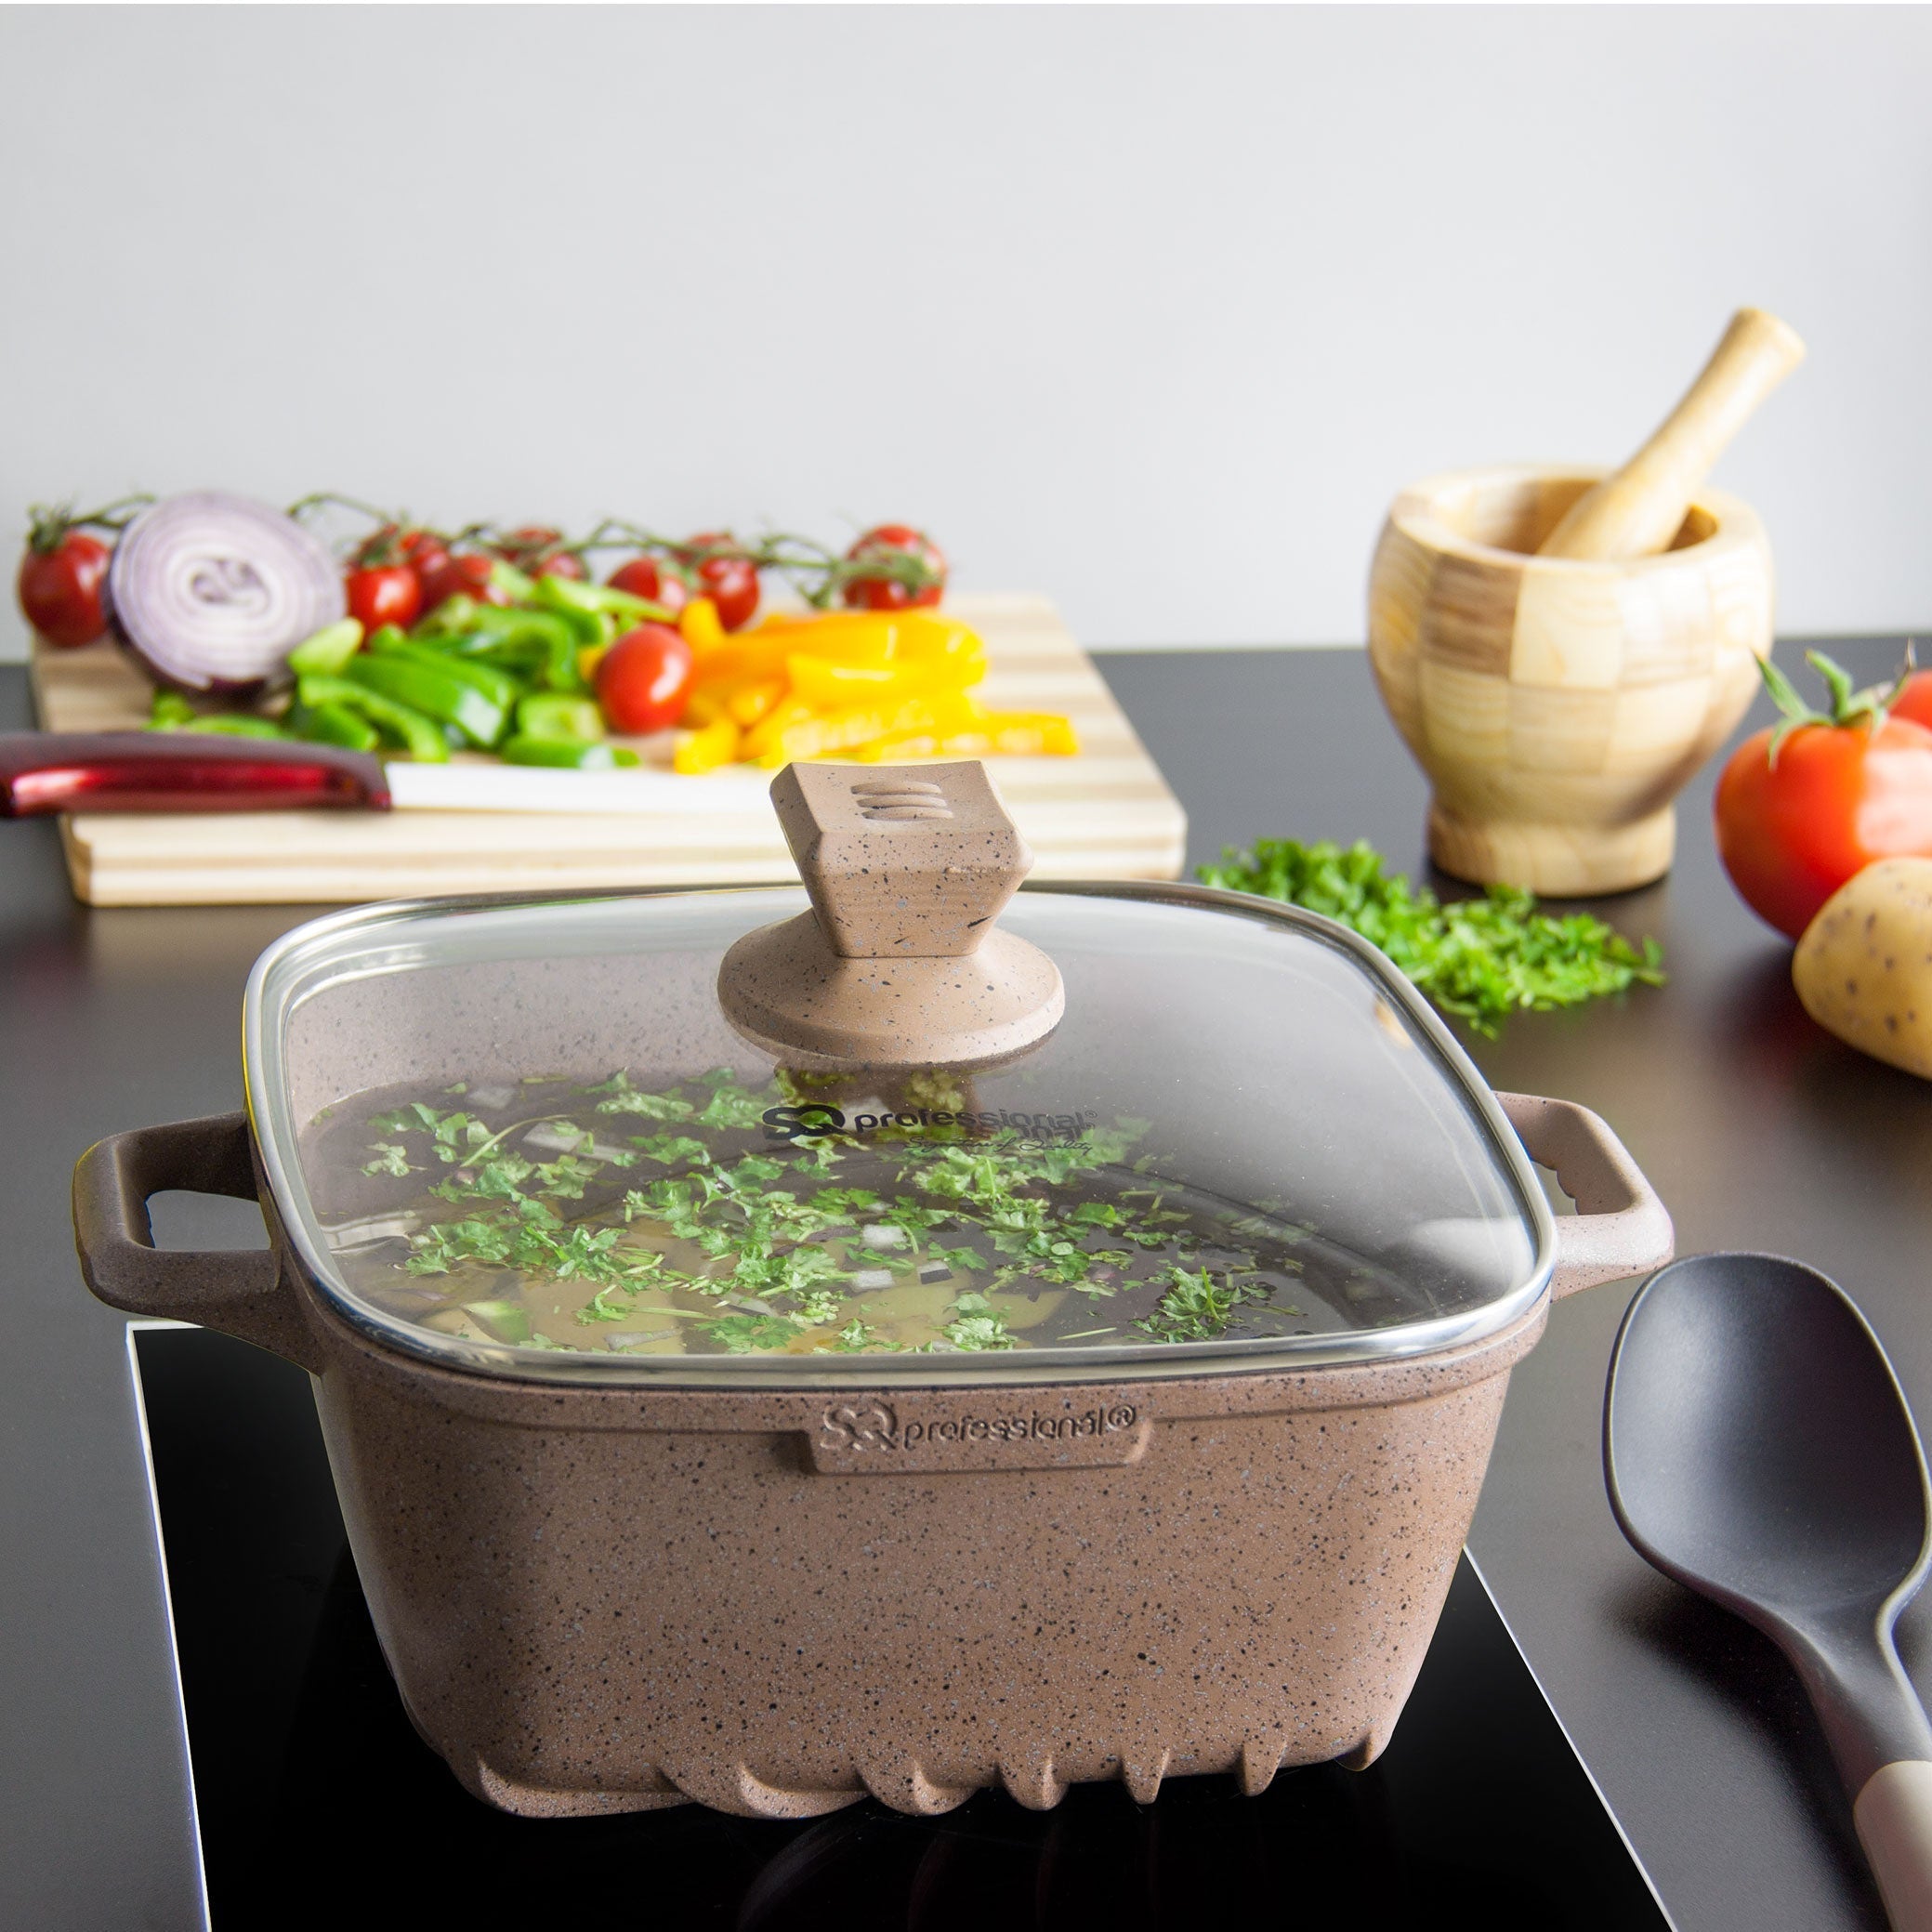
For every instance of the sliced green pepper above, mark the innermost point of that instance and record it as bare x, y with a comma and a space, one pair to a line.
538, 643
452, 616
172, 712
328, 650
432, 685
511, 582
237, 724
571, 754
567, 594
551, 715
496, 685
421, 737
334, 724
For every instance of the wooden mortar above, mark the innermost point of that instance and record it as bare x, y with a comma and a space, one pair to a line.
1559, 705
1560, 701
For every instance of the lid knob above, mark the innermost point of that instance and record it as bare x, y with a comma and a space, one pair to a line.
899, 962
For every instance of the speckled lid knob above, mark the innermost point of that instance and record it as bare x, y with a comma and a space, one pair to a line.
900, 961
902, 861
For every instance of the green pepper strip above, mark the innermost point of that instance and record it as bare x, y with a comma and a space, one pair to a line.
328, 650
571, 754
233, 724
334, 724
172, 712
566, 595
434, 688
549, 714
499, 687
537, 643
421, 737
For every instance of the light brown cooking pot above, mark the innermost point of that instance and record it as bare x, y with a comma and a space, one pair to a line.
617, 1564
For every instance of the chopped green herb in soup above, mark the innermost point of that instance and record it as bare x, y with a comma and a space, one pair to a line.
606, 1215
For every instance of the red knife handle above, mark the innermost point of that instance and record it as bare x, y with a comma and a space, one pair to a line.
51, 772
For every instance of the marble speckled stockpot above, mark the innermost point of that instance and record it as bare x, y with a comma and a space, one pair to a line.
607, 1596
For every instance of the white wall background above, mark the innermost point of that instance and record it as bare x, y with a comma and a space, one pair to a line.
1150, 308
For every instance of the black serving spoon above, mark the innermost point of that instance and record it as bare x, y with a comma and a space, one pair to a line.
1757, 1448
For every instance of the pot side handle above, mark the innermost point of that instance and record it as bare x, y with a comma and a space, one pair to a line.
1620, 1227
242, 1293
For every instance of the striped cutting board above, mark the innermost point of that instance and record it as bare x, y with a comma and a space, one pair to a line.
1107, 813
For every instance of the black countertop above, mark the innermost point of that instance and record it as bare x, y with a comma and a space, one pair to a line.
1760, 1132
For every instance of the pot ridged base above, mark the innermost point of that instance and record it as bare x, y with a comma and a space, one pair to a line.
596, 1618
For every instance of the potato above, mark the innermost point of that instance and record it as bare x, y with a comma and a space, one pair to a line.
1864, 966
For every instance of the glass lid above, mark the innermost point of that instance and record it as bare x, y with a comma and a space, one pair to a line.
526, 1138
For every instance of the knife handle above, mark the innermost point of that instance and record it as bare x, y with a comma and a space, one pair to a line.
129, 772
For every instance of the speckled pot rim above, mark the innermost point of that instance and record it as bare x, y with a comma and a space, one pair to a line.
298, 966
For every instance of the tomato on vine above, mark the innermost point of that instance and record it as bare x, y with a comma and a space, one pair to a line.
380, 594
654, 579
911, 574
644, 678
727, 573
63, 571
539, 551
1803, 806
463, 573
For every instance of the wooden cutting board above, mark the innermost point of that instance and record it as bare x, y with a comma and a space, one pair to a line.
1107, 813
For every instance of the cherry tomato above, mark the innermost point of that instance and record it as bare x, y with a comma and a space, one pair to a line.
888, 593
731, 583
1792, 832
427, 553
466, 574
59, 589
536, 550
644, 678
381, 594
657, 583
423, 551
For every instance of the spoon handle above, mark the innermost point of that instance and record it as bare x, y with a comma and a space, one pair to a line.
1894, 1818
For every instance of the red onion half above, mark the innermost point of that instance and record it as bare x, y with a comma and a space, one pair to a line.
212, 592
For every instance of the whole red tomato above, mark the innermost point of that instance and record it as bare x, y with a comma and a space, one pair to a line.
656, 582
1913, 700
425, 553
60, 587
1796, 820
894, 592
536, 550
381, 594
644, 678
422, 551
730, 580
462, 573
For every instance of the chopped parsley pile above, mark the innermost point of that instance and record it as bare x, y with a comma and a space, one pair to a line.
563, 1228
1481, 959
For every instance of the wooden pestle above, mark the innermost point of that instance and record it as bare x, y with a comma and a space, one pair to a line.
1638, 510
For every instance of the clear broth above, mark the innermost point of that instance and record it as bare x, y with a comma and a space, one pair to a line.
593, 1214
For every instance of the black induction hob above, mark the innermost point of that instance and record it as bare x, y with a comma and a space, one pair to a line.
317, 1806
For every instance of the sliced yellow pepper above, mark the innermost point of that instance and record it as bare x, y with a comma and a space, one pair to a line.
751, 702
697, 624
877, 636
707, 748
787, 713
833, 686
998, 734
816, 734
739, 660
